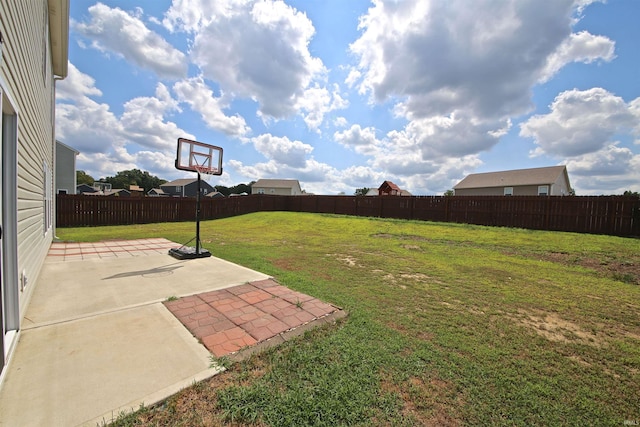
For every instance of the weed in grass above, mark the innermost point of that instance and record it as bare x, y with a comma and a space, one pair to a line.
625, 278
223, 362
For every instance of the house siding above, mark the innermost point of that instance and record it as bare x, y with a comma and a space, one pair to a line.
522, 190
65, 169
274, 191
560, 187
27, 78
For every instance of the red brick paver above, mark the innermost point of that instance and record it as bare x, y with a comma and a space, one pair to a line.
228, 320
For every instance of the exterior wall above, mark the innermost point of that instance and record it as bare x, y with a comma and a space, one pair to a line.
525, 190
188, 190
191, 190
497, 191
65, 169
560, 187
26, 76
274, 191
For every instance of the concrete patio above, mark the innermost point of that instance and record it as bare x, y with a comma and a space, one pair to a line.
112, 325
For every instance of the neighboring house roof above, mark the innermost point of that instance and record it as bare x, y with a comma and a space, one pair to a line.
512, 178
179, 182
86, 188
276, 183
117, 191
158, 191
389, 184
215, 194
135, 188
67, 147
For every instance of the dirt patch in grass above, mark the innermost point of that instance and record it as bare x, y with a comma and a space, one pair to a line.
554, 328
427, 402
622, 270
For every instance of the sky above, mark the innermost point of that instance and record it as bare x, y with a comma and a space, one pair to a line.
344, 95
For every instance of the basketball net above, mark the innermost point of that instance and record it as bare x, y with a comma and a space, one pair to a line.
205, 172
204, 169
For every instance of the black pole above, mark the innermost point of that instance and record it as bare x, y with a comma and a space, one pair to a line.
198, 218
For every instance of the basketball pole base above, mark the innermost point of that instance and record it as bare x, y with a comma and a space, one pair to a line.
189, 252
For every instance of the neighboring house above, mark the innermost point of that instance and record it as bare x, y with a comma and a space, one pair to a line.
156, 192
372, 192
136, 191
65, 169
102, 186
86, 189
34, 40
388, 188
547, 181
186, 187
282, 187
117, 192
215, 195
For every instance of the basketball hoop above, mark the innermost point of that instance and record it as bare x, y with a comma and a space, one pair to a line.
206, 160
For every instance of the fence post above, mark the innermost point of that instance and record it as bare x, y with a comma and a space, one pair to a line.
547, 209
447, 215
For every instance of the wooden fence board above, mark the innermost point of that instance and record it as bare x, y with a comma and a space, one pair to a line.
613, 215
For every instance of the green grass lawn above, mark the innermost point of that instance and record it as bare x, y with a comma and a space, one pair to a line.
448, 325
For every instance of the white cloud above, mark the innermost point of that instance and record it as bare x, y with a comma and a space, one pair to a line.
282, 150
201, 99
114, 30
192, 15
613, 167
446, 56
260, 51
143, 121
363, 141
459, 73
87, 126
108, 143
76, 86
580, 47
318, 101
580, 122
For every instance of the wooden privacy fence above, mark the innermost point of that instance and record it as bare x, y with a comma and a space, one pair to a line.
613, 215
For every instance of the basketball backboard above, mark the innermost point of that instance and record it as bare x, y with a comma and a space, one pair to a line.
199, 157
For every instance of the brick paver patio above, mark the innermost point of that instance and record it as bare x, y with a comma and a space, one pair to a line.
231, 319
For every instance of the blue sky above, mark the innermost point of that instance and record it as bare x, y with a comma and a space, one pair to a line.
347, 94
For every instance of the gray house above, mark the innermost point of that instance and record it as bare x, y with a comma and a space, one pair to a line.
34, 41
547, 181
65, 169
186, 188
282, 187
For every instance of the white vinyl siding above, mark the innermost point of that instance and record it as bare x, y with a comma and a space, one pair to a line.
26, 59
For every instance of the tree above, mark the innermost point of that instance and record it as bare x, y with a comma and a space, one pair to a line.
241, 188
126, 178
362, 191
83, 178
631, 193
449, 193
223, 190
